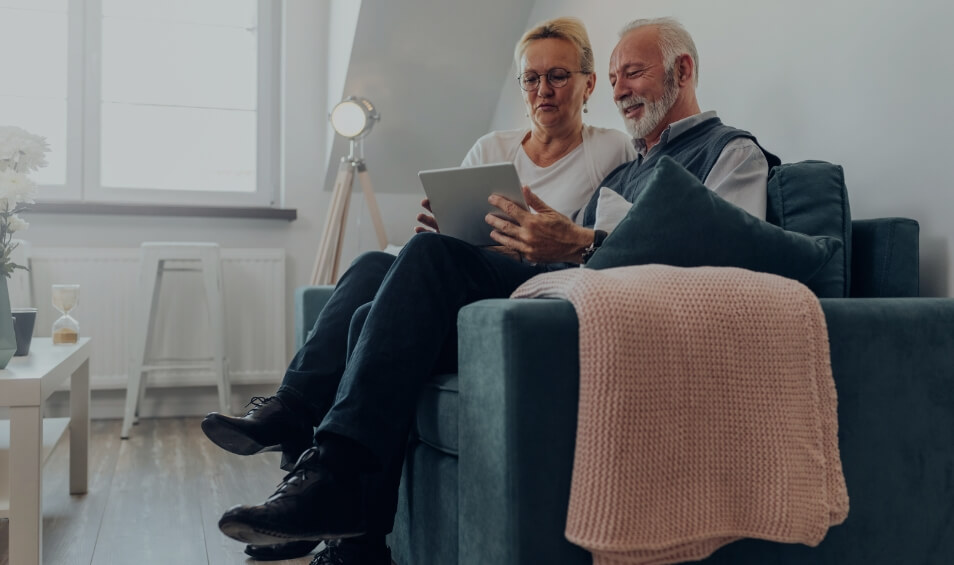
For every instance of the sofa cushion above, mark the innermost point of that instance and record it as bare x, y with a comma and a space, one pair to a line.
677, 221
435, 421
810, 198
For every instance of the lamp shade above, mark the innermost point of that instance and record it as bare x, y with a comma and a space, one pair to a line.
353, 117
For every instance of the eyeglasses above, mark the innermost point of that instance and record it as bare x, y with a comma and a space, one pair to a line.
555, 77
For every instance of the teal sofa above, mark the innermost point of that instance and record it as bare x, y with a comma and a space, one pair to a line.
487, 474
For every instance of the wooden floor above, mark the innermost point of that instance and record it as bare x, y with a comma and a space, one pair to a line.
154, 499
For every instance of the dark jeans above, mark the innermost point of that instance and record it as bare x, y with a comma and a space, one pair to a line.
365, 387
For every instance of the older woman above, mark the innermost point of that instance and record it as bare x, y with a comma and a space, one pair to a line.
560, 159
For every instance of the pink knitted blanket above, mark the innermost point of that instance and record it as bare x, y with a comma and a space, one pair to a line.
707, 412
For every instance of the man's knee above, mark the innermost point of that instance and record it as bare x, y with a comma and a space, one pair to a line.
369, 266
373, 259
430, 244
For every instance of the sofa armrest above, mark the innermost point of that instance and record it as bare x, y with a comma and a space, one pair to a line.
891, 361
519, 387
309, 300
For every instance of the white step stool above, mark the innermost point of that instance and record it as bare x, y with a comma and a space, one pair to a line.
191, 257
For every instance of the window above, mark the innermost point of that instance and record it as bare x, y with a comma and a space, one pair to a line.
146, 101
33, 90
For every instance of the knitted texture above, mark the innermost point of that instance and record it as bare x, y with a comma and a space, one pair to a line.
707, 412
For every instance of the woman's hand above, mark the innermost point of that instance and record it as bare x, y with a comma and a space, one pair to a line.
545, 237
430, 223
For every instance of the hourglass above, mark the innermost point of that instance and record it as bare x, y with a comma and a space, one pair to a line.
65, 328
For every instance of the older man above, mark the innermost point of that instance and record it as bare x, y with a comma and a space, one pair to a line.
411, 324
654, 73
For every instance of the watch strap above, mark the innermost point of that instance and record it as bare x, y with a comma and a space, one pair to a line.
598, 237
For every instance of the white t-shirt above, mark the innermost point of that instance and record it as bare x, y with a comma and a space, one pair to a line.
567, 185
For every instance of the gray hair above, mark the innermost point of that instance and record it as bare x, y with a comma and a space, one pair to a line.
568, 29
674, 41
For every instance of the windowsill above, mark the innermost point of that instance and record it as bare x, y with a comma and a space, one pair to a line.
111, 208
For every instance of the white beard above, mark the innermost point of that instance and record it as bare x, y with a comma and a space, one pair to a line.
653, 112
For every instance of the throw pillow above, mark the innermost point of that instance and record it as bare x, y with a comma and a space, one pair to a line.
677, 221
810, 198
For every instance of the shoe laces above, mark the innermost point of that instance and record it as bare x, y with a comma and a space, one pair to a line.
257, 402
299, 472
331, 555
338, 553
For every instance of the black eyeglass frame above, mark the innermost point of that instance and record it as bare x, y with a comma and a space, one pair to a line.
555, 83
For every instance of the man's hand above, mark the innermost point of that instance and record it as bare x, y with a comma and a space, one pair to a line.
430, 223
545, 237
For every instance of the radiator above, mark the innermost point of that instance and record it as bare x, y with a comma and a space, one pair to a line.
254, 285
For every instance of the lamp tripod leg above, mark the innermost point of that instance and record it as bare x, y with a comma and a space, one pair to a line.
373, 209
329, 250
342, 225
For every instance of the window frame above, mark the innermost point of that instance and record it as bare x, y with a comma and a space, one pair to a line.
83, 181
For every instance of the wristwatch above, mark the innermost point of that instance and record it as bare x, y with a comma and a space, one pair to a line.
598, 237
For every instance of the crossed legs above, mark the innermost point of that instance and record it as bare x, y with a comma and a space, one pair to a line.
361, 392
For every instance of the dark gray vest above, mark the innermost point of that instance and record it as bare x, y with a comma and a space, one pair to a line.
697, 150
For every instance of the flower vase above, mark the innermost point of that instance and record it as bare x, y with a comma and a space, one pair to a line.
8, 338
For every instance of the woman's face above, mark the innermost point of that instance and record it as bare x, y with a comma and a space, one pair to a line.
555, 107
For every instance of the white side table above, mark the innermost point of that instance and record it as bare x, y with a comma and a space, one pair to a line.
24, 385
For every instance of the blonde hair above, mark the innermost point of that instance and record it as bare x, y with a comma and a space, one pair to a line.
569, 29
674, 41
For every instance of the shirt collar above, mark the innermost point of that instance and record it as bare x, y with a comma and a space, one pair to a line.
674, 130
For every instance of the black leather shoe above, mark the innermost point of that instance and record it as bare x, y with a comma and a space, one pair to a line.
281, 551
312, 503
268, 426
347, 552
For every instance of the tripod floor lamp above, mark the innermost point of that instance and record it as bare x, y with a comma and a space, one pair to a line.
353, 118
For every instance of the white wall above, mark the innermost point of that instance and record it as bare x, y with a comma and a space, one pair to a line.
865, 84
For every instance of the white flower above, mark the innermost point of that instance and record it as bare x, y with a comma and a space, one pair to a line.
15, 188
16, 223
21, 150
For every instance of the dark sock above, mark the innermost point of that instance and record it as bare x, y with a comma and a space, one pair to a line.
344, 455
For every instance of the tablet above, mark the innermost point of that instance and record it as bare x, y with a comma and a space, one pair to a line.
459, 198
